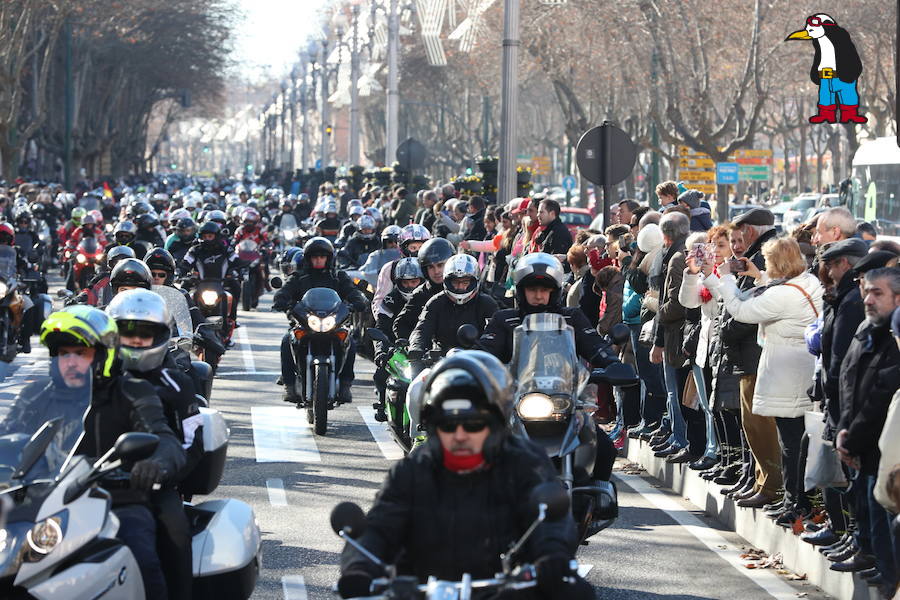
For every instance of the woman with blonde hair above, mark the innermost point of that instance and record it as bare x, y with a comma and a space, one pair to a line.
787, 300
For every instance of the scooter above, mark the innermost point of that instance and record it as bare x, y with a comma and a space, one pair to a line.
349, 523
60, 535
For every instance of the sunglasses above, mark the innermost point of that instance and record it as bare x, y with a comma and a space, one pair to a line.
160, 274
469, 426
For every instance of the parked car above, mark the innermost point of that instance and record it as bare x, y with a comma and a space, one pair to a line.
794, 216
576, 218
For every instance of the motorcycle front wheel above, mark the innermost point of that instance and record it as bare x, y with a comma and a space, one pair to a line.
317, 409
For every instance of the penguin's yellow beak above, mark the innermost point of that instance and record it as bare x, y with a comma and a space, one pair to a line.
799, 35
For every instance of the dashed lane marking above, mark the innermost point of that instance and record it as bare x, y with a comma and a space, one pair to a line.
281, 434
294, 587
277, 495
246, 350
386, 444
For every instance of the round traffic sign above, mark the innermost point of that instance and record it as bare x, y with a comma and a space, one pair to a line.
605, 155
569, 182
411, 154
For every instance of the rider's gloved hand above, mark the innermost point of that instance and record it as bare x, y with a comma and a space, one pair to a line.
551, 569
145, 473
381, 360
354, 584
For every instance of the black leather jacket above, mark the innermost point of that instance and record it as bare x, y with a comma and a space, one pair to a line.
303, 281
442, 317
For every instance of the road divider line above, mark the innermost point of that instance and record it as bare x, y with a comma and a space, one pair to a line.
764, 578
583, 570
240, 373
294, 587
277, 495
281, 434
246, 349
380, 434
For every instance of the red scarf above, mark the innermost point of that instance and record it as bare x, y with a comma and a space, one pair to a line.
462, 463
705, 294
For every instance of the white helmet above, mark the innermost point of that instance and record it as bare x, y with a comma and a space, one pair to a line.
458, 267
355, 211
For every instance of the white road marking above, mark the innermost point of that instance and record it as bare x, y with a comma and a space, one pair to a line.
239, 373
583, 570
294, 587
281, 434
277, 495
246, 350
389, 448
764, 578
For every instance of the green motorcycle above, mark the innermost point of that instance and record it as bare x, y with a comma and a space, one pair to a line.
400, 374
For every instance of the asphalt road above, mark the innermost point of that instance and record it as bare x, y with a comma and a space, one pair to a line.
293, 478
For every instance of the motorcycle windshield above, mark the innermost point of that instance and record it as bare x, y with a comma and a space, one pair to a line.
544, 356
321, 301
7, 262
178, 309
288, 221
246, 246
41, 429
88, 246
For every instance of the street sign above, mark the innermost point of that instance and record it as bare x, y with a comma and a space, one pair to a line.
569, 182
727, 173
605, 156
411, 155
706, 188
696, 163
696, 175
755, 172
318, 164
541, 165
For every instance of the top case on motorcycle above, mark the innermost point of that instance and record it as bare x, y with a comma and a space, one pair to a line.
205, 476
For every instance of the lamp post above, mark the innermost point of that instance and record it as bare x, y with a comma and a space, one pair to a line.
506, 176
392, 112
326, 138
294, 73
353, 158
283, 110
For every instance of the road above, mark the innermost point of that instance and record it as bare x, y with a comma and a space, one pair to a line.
660, 548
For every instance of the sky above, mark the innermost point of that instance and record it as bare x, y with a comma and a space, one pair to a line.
272, 32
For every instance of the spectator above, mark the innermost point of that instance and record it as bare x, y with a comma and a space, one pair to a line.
577, 260
866, 231
700, 219
475, 215
834, 225
554, 237
626, 211
667, 193
425, 216
609, 283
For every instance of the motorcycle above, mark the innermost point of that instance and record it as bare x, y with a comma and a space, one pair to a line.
553, 410
211, 298
349, 523
60, 535
321, 342
12, 305
361, 321
400, 374
251, 289
83, 260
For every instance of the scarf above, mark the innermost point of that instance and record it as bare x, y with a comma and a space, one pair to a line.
705, 294
462, 464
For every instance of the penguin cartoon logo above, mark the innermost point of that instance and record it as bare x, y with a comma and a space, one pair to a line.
835, 69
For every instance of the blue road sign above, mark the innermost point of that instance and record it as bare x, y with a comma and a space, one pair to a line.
727, 173
318, 164
569, 182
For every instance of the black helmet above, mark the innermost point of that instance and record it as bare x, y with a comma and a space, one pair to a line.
139, 208
210, 227
117, 253
146, 221
468, 384
186, 229
318, 246
130, 272
125, 232
435, 250
160, 259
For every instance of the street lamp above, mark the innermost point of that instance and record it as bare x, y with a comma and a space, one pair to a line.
506, 175
326, 141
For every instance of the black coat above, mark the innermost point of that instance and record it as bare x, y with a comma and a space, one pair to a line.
555, 238
406, 321
591, 346
302, 281
739, 339
477, 231
431, 521
442, 317
358, 247
870, 375
841, 317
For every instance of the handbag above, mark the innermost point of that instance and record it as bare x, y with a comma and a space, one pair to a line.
690, 338
805, 295
646, 337
690, 397
823, 466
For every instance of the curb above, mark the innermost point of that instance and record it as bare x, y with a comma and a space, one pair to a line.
752, 525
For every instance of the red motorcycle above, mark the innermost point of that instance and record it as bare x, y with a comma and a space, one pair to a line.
83, 260
254, 256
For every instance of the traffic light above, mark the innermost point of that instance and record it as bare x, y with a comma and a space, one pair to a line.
174, 166
206, 149
468, 170
328, 130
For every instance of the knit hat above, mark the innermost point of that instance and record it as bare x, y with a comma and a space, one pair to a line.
692, 198
649, 238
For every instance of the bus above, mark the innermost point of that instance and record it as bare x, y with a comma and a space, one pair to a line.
875, 192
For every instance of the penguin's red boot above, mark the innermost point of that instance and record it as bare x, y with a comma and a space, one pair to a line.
849, 114
827, 114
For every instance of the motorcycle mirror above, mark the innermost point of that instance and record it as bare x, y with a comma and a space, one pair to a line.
402, 342
276, 282
554, 496
376, 335
36, 446
348, 517
64, 293
134, 446
620, 333
618, 374
467, 335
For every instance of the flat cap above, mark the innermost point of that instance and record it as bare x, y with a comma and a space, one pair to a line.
850, 247
757, 215
874, 260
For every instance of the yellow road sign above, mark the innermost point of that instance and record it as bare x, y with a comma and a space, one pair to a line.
751, 153
706, 188
696, 163
693, 175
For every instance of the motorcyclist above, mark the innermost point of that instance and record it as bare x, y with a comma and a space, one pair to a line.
125, 234
286, 261
149, 230
286, 210
460, 501
25, 236
407, 277
432, 257
162, 267
181, 240
303, 208
251, 229
361, 243
351, 226
98, 290
211, 249
389, 252
130, 274
329, 225
85, 342
461, 302
143, 323
64, 233
411, 239
88, 229
19, 304
538, 279
318, 271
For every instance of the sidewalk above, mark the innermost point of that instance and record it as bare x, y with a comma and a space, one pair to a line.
752, 525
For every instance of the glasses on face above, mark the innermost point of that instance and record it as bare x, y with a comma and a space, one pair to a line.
469, 426
159, 274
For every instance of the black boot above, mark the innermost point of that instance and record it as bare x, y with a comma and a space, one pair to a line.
345, 396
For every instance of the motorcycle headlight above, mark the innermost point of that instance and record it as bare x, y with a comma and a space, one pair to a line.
288, 235
209, 297
328, 323
45, 536
80, 258
3, 289
535, 406
314, 322
407, 371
